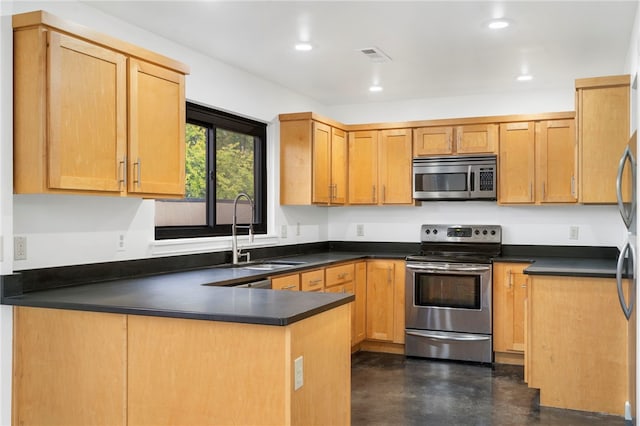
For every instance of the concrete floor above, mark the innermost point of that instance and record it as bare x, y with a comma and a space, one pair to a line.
395, 390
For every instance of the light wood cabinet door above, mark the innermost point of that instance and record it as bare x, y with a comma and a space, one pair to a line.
86, 115
363, 167
516, 163
380, 300
338, 184
321, 145
556, 162
603, 131
359, 329
433, 141
156, 130
286, 282
385, 300
509, 294
70, 367
395, 167
477, 139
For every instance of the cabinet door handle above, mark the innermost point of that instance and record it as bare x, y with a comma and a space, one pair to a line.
122, 168
573, 186
138, 166
389, 275
544, 191
530, 191
509, 280
384, 193
373, 193
335, 191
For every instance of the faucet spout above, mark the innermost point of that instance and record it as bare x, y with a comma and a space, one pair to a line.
236, 252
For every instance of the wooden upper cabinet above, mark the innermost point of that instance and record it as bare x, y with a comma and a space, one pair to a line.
313, 163
538, 162
556, 161
86, 110
433, 141
477, 139
156, 130
363, 167
380, 167
394, 167
516, 163
602, 106
73, 103
447, 140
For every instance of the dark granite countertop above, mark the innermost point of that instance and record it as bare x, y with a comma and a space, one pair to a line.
208, 293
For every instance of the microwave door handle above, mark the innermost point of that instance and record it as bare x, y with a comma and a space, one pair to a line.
469, 180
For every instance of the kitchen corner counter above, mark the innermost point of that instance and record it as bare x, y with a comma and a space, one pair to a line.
596, 262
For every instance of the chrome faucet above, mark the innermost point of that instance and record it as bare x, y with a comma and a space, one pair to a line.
237, 253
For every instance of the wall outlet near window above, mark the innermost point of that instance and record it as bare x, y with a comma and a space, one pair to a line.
19, 248
360, 230
283, 231
574, 232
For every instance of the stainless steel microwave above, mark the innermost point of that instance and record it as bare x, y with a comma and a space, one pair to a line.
460, 177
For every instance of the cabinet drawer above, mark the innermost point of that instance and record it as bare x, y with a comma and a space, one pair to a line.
287, 282
335, 289
339, 274
312, 280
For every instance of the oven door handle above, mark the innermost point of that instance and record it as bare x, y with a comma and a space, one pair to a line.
465, 337
452, 268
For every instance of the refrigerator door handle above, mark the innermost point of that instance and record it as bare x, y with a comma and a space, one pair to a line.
627, 216
627, 309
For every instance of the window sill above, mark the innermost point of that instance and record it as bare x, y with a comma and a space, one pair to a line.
208, 244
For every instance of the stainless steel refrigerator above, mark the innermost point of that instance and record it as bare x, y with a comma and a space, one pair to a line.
626, 183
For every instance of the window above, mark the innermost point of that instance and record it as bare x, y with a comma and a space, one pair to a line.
225, 155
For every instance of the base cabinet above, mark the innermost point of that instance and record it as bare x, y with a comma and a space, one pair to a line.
509, 297
87, 368
385, 300
577, 343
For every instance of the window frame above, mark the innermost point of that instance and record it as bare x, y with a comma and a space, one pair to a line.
212, 119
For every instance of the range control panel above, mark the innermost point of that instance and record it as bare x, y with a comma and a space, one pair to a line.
461, 233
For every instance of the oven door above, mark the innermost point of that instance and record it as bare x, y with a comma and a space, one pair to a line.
446, 297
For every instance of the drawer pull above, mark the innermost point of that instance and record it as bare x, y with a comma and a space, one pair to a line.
289, 287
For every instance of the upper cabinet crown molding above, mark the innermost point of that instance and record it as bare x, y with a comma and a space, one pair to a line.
41, 17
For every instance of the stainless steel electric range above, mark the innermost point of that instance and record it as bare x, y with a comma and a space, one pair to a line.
448, 292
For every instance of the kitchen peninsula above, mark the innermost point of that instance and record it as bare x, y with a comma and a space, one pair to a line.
167, 349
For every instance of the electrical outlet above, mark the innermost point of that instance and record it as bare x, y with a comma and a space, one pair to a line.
19, 248
298, 373
283, 231
574, 232
121, 245
360, 230
298, 229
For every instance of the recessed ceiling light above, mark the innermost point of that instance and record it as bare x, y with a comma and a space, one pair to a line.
375, 88
498, 24
303, 46
524, 77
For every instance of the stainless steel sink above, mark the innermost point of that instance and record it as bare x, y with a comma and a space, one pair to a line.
267, 266
272, 265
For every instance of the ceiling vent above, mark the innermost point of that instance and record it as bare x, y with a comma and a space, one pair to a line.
375, 54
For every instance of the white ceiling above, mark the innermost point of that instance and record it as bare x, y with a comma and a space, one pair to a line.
438, 48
